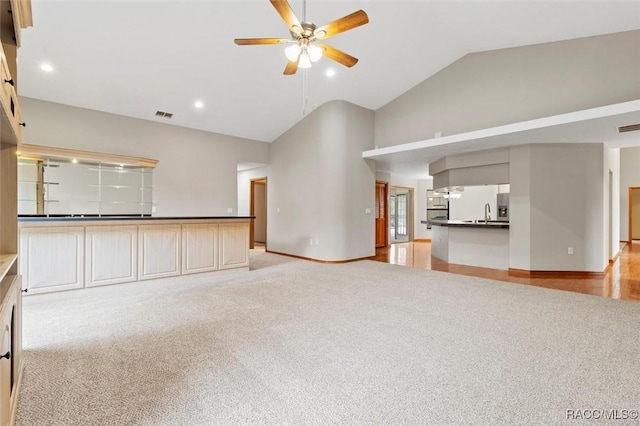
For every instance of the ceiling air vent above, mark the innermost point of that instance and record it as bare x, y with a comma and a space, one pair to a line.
164, 114
629, 128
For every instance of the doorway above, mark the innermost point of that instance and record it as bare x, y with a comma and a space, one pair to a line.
382, 214
634, 213
400, 214
258, 208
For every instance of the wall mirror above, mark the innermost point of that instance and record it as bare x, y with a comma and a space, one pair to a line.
60, 182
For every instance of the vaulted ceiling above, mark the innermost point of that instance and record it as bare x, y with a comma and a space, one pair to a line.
137, 57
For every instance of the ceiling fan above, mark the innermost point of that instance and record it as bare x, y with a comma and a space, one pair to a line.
305, 48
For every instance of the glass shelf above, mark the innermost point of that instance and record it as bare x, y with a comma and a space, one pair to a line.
97, 185
35, 181
116, 170
121, 202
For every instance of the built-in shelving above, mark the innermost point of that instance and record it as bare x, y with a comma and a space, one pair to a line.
83, 188
14, 15
6, 262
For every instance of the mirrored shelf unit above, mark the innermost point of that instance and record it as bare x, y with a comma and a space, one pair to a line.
55, 181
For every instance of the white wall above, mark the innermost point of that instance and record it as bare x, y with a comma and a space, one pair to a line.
629, 176
196, 173
470, 205
319, 186
498, 87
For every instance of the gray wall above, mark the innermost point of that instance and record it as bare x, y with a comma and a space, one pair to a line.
611, 199
498, 87
557, 201
196, 173
319, 186
629, 176
244, 185
520, 207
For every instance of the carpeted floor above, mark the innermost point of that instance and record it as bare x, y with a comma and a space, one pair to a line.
296, 342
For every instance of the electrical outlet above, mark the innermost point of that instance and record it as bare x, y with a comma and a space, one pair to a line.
367, 211
229, 209
569, 250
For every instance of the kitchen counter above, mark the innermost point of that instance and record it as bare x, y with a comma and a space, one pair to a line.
469, 223
473, 243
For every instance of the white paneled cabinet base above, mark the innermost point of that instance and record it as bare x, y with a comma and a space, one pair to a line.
111, 254
52, 258
200, 247
72, 253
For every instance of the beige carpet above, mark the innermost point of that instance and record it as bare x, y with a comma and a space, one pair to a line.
295, 342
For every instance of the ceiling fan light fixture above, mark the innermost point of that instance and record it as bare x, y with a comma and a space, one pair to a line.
292, 52
304, 61
315, 52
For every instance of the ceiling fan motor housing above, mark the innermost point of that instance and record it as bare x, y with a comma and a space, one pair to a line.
308, 29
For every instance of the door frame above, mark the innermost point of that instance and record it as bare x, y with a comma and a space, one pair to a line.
631, 189
252, 208
386, 214
410, 208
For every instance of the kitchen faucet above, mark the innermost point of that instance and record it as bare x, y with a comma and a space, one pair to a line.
487, 213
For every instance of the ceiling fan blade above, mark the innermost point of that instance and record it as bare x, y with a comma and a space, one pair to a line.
251, 41
291, 68
343, 24
285, 11
338, 55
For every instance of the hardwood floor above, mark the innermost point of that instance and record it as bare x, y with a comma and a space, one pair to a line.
622, 280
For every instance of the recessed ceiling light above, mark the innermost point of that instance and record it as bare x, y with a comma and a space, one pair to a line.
330, 72
46, 67
198, 104
74, 161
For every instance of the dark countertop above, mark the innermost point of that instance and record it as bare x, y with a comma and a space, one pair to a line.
468, 223
89, 218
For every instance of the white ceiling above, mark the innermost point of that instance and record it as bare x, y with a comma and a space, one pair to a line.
136, 57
